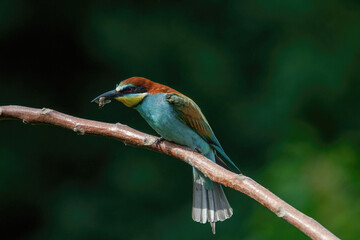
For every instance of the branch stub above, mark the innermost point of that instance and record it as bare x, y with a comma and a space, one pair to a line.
79, 130
148, 141
45, 111
281, 212
119, 124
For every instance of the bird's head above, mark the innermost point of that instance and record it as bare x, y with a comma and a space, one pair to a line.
132, 91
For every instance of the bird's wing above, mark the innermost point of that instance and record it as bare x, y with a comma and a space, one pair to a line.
190, 114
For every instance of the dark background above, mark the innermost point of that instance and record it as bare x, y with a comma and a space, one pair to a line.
277, 80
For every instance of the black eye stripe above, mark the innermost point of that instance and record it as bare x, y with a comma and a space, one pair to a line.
132, 90
140, 89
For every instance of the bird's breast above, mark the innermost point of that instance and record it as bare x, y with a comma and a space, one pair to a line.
156, 111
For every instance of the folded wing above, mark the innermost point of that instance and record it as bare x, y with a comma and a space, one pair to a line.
190, 114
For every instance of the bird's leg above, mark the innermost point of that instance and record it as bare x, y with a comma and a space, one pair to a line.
159, 140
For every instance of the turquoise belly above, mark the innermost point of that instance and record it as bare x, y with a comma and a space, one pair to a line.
159, 114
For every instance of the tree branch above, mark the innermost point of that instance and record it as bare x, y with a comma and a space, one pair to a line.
130, 136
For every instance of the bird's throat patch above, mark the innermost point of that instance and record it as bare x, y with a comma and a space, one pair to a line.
131, 100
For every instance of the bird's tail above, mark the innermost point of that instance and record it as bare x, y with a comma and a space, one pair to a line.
209, 202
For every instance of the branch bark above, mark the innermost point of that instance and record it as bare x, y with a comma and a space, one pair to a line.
130, 136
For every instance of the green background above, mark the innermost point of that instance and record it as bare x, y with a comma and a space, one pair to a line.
277, 80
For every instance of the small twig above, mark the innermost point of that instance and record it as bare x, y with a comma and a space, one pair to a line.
130, 136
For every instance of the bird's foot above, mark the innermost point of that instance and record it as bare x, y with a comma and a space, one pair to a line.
158, 141
197, 150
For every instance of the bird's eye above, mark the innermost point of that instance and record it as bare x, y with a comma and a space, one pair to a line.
129, 89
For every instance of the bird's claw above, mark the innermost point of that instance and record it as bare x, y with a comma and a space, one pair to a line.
197, 150
158, 141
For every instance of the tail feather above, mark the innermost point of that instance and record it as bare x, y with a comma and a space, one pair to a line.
209, 205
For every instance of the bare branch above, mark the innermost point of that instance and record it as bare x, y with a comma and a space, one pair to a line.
130, 136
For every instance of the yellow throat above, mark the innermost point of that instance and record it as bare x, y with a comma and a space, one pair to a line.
131, 100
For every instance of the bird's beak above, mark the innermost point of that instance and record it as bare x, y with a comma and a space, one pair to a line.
106, 97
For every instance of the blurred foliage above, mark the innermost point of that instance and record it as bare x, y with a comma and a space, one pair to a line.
283, 76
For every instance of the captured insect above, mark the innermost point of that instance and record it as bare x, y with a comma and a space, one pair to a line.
103, 101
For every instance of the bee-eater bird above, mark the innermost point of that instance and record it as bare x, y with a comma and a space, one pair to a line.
178, 119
